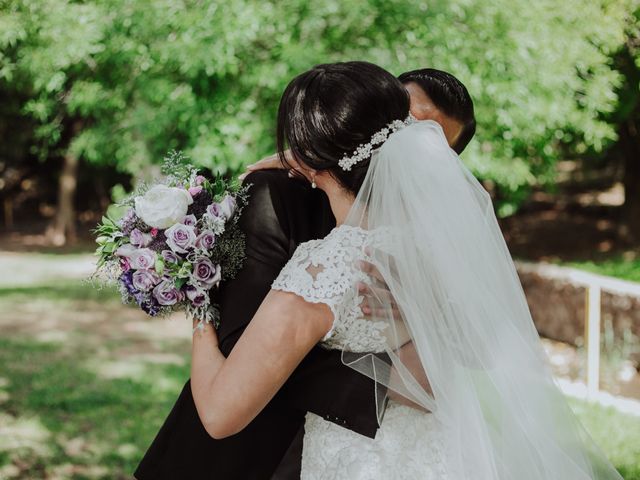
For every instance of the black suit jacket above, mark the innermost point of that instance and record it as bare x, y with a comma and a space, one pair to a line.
281, 214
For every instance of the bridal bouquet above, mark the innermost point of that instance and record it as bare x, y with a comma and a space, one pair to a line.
174, 242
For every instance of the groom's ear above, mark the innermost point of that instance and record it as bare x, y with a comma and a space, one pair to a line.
423, 108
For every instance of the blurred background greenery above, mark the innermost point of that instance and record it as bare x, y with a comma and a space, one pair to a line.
92, 88
93, 94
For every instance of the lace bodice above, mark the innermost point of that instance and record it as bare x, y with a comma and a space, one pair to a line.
326, 271
407, 445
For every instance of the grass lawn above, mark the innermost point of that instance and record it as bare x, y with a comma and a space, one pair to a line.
614, 267
85, 384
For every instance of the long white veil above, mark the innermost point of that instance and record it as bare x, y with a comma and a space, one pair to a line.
463, 311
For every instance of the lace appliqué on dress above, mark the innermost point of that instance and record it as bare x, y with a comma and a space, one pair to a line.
325, 271
407, 446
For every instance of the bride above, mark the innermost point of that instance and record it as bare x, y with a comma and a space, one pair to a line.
462, 388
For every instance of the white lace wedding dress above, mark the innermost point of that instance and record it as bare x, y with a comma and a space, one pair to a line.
408, 444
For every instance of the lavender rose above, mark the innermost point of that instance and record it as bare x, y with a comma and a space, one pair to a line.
169, 256
206, 240
228, 206
139, 239
180, 237
145, 280
193, 191
190, 220
166, 293
205, 272
215, 210
142, 258
124, 264
197, 297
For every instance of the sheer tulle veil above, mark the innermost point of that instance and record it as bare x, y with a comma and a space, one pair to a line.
462, 310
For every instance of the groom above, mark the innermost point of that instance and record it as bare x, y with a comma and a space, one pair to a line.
281, 214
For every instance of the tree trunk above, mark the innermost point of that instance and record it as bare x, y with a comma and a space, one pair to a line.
63, 228
8, 213
629, 131
630, 143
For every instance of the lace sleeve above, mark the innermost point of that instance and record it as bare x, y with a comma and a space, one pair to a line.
322, 271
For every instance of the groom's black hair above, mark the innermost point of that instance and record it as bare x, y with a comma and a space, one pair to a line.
330, 110
450, 96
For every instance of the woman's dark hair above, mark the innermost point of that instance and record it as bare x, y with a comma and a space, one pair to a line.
330, 110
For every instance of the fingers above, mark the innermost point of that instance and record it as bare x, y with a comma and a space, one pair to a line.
371, 270
380, 256
380, 293
380, 313
267, 163
378, 303
272, 162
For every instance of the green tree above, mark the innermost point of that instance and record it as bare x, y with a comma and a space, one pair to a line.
626, 119
120, 82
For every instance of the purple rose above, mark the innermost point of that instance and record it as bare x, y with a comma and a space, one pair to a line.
195, 190
169, 256
166, 293
205, 272
145, 280
190, 220
200, 180
228, 206
215, 210
124, 264
197, 297
142, 258
206, 240
139, 239
180, 237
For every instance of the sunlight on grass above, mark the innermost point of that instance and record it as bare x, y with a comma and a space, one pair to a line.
616, 267
63, 291
617, 434
81, 419
85, 384
24, 434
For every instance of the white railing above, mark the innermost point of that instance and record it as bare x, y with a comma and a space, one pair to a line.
594, 285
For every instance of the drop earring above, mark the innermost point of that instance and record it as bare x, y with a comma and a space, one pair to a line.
313, 181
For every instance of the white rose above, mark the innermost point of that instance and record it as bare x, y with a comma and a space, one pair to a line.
163, 206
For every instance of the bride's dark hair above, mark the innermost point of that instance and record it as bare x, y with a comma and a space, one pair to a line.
330, 110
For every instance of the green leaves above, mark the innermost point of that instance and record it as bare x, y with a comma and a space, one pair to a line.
108, 238
206, 78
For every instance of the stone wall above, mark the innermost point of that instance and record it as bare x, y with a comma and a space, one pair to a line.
556, 297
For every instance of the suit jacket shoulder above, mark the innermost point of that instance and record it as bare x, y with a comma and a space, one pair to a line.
281, 213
